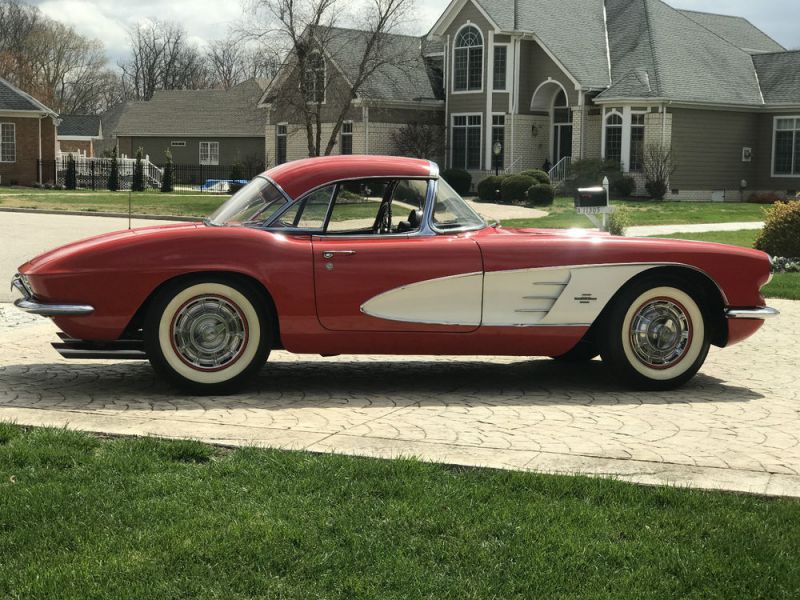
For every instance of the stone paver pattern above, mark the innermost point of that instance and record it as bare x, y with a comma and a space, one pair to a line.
736, 426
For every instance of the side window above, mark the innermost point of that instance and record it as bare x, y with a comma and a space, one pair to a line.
309, 213
408, 204
357, 206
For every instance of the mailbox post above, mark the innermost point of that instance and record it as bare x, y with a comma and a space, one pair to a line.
592, 202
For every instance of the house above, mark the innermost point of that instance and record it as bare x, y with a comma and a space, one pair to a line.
199, 127
560, 80
78, 134
405, 90
27, 136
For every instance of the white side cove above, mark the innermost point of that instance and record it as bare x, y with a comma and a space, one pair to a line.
549, 296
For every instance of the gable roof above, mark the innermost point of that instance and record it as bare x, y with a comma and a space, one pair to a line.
79, 126
197, 113
779, 74
13, 98
737, 30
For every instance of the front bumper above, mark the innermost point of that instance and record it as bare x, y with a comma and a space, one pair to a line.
762, 312
29, 304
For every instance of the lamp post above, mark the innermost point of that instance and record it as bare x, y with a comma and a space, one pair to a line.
497, 149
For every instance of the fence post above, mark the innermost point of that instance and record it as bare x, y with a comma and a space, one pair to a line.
94, 188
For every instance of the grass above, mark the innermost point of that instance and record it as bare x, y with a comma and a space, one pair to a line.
562, 213
783, 285
83, 517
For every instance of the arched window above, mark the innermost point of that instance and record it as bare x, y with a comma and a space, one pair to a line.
468, 60
315, 78
562, 127
614, 137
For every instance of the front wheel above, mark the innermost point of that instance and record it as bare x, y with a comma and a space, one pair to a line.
655, 336
207, 335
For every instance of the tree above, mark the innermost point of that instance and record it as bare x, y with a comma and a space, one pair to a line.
138, 173
232, 60
113, 174
419, 140
308, 32
70, 178
166, 176
659, 166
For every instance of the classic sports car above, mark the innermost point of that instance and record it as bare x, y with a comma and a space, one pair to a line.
378, 255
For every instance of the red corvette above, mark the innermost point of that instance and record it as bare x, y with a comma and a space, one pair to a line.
378, 255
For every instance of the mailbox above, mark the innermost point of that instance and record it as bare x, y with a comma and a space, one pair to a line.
592, 198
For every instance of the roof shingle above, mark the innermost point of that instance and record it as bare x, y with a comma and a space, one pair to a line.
79, 125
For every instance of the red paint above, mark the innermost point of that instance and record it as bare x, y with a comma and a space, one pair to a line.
741, 329
116, 273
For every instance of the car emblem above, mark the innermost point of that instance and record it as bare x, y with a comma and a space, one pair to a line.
585, 299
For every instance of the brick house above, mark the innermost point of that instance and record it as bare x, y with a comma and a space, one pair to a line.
27, 135
79, 134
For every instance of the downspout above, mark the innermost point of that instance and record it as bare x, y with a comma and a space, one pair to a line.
39, 162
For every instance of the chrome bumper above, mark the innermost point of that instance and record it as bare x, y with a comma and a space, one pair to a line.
764, 312
29, 304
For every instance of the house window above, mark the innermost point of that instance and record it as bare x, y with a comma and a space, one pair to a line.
466, 142
315, 78
562, 127
178, 144
209, 153
787, 146
8, 143
280, 144
499, 135
500, 56
614, 137
468, 60
347, 137
637, 142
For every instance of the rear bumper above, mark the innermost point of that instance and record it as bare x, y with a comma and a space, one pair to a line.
29, 304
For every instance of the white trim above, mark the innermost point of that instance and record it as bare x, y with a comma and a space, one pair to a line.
491, 144
453, 89
207, 163
14, 126
796, 157
467, 127
507, 46
29, 98
487, 143
549, 81
78, 138
343, 133
608, 45
553, 158
286, 137
453, 10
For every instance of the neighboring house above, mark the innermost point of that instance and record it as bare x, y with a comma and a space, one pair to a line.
571, 79
407, 89
79, 134
205, 127
109, 121
27, 136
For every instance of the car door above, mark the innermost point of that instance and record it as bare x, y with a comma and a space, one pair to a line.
370, 277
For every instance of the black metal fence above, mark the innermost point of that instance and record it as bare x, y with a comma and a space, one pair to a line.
94, 173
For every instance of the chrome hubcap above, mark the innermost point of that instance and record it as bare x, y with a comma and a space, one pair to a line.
209, 332
660, 333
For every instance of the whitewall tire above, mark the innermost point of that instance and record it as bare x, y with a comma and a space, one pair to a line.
655, 336
207, 335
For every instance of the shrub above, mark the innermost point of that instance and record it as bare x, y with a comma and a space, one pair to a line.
166, 177
488, 188
237, 171
539, 175
113, 174
541, 194
618, 221
780, 234
590, 172
71, 177
459, 180
658, 168
766, 198
656, 189
515, 188
138, 173
624, 186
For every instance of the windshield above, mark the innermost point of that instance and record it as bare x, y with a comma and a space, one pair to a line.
252, 205
451, 212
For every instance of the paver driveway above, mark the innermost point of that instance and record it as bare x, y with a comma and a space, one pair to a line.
735, 426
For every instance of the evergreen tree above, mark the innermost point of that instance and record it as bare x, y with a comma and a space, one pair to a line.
166, 177
71, 178
138, 173
113, 175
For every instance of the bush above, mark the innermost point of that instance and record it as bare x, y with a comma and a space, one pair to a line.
71, 177
488, 188
541, 194
659, 166
459, 180
166, 177
780, 234
138, 173
766, 198
656, 189
539, 175
624, 186
590, 172
515, 188
113, 174
618, 221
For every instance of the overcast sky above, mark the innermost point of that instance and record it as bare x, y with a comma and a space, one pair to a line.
107, 20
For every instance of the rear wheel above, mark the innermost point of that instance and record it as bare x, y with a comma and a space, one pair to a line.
655, 336
207, 335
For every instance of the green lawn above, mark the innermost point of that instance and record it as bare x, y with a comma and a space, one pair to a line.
83, 517
562, 213
783, 285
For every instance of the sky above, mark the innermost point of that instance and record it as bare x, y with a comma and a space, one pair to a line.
204, 20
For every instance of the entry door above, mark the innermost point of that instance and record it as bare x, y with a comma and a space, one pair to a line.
391, 283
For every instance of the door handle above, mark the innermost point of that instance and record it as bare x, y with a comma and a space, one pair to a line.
331, 253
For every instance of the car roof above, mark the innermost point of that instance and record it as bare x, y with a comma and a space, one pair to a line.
300, 176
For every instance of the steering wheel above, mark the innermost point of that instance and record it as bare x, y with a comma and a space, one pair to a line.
383, 221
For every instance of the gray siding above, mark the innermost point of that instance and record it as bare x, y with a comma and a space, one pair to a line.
534, 69
231, 150
707, 146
